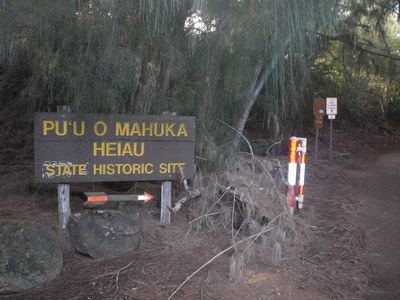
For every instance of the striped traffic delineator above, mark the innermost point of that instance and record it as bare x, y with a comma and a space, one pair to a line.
292, 172
302, 153
297, 155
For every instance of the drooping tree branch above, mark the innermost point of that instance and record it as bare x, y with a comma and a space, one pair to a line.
362, 47
381, 54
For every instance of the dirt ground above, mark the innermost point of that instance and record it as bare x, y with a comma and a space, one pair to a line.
378, 183
351, 207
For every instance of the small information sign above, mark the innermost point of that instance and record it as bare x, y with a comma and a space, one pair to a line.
331, 107
331, 111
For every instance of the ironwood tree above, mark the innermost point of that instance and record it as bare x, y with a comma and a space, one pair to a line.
219, 60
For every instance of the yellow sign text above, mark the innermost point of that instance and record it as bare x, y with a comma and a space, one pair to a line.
61, 128
62, 169
150, 129
126, 169
118, 148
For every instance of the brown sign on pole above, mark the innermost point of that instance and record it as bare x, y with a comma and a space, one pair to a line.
94, 147
318, 121
319, 107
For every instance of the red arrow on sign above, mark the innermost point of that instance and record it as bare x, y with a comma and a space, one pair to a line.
146, 197
98, 198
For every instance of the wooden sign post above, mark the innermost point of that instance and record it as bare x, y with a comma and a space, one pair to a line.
93, 147
319, 113
166, 192
63, 189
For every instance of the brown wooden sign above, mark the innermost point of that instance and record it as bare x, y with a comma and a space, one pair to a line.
319, 121
94, 147
319, 107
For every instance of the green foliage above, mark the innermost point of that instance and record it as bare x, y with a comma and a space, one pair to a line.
360, 64
279, 35
94, 55
199, 57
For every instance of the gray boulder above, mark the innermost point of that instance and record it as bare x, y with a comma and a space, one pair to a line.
30, 255
105, 233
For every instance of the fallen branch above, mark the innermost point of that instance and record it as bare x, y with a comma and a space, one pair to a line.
191, 193
203, 216
113, 273
247, 141
254, 237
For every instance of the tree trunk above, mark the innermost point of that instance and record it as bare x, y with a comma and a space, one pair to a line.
256, 86
147, 89
167, 77
252, 94
398, 13
254, 90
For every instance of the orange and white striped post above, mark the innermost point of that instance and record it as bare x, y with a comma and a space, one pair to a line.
302, 149
292, 173
295, 192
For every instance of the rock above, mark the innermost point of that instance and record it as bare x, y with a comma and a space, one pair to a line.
130, 208
30, 255
105, 233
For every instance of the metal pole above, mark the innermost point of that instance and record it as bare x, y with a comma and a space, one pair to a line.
64, 207
330, 138
316, 141
166, 190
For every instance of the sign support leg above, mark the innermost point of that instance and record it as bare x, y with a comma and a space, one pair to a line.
64, 207
330, 139
166, 192
316, 141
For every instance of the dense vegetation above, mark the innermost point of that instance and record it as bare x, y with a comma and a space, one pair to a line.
223, 61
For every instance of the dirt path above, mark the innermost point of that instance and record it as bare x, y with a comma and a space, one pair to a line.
378, 185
